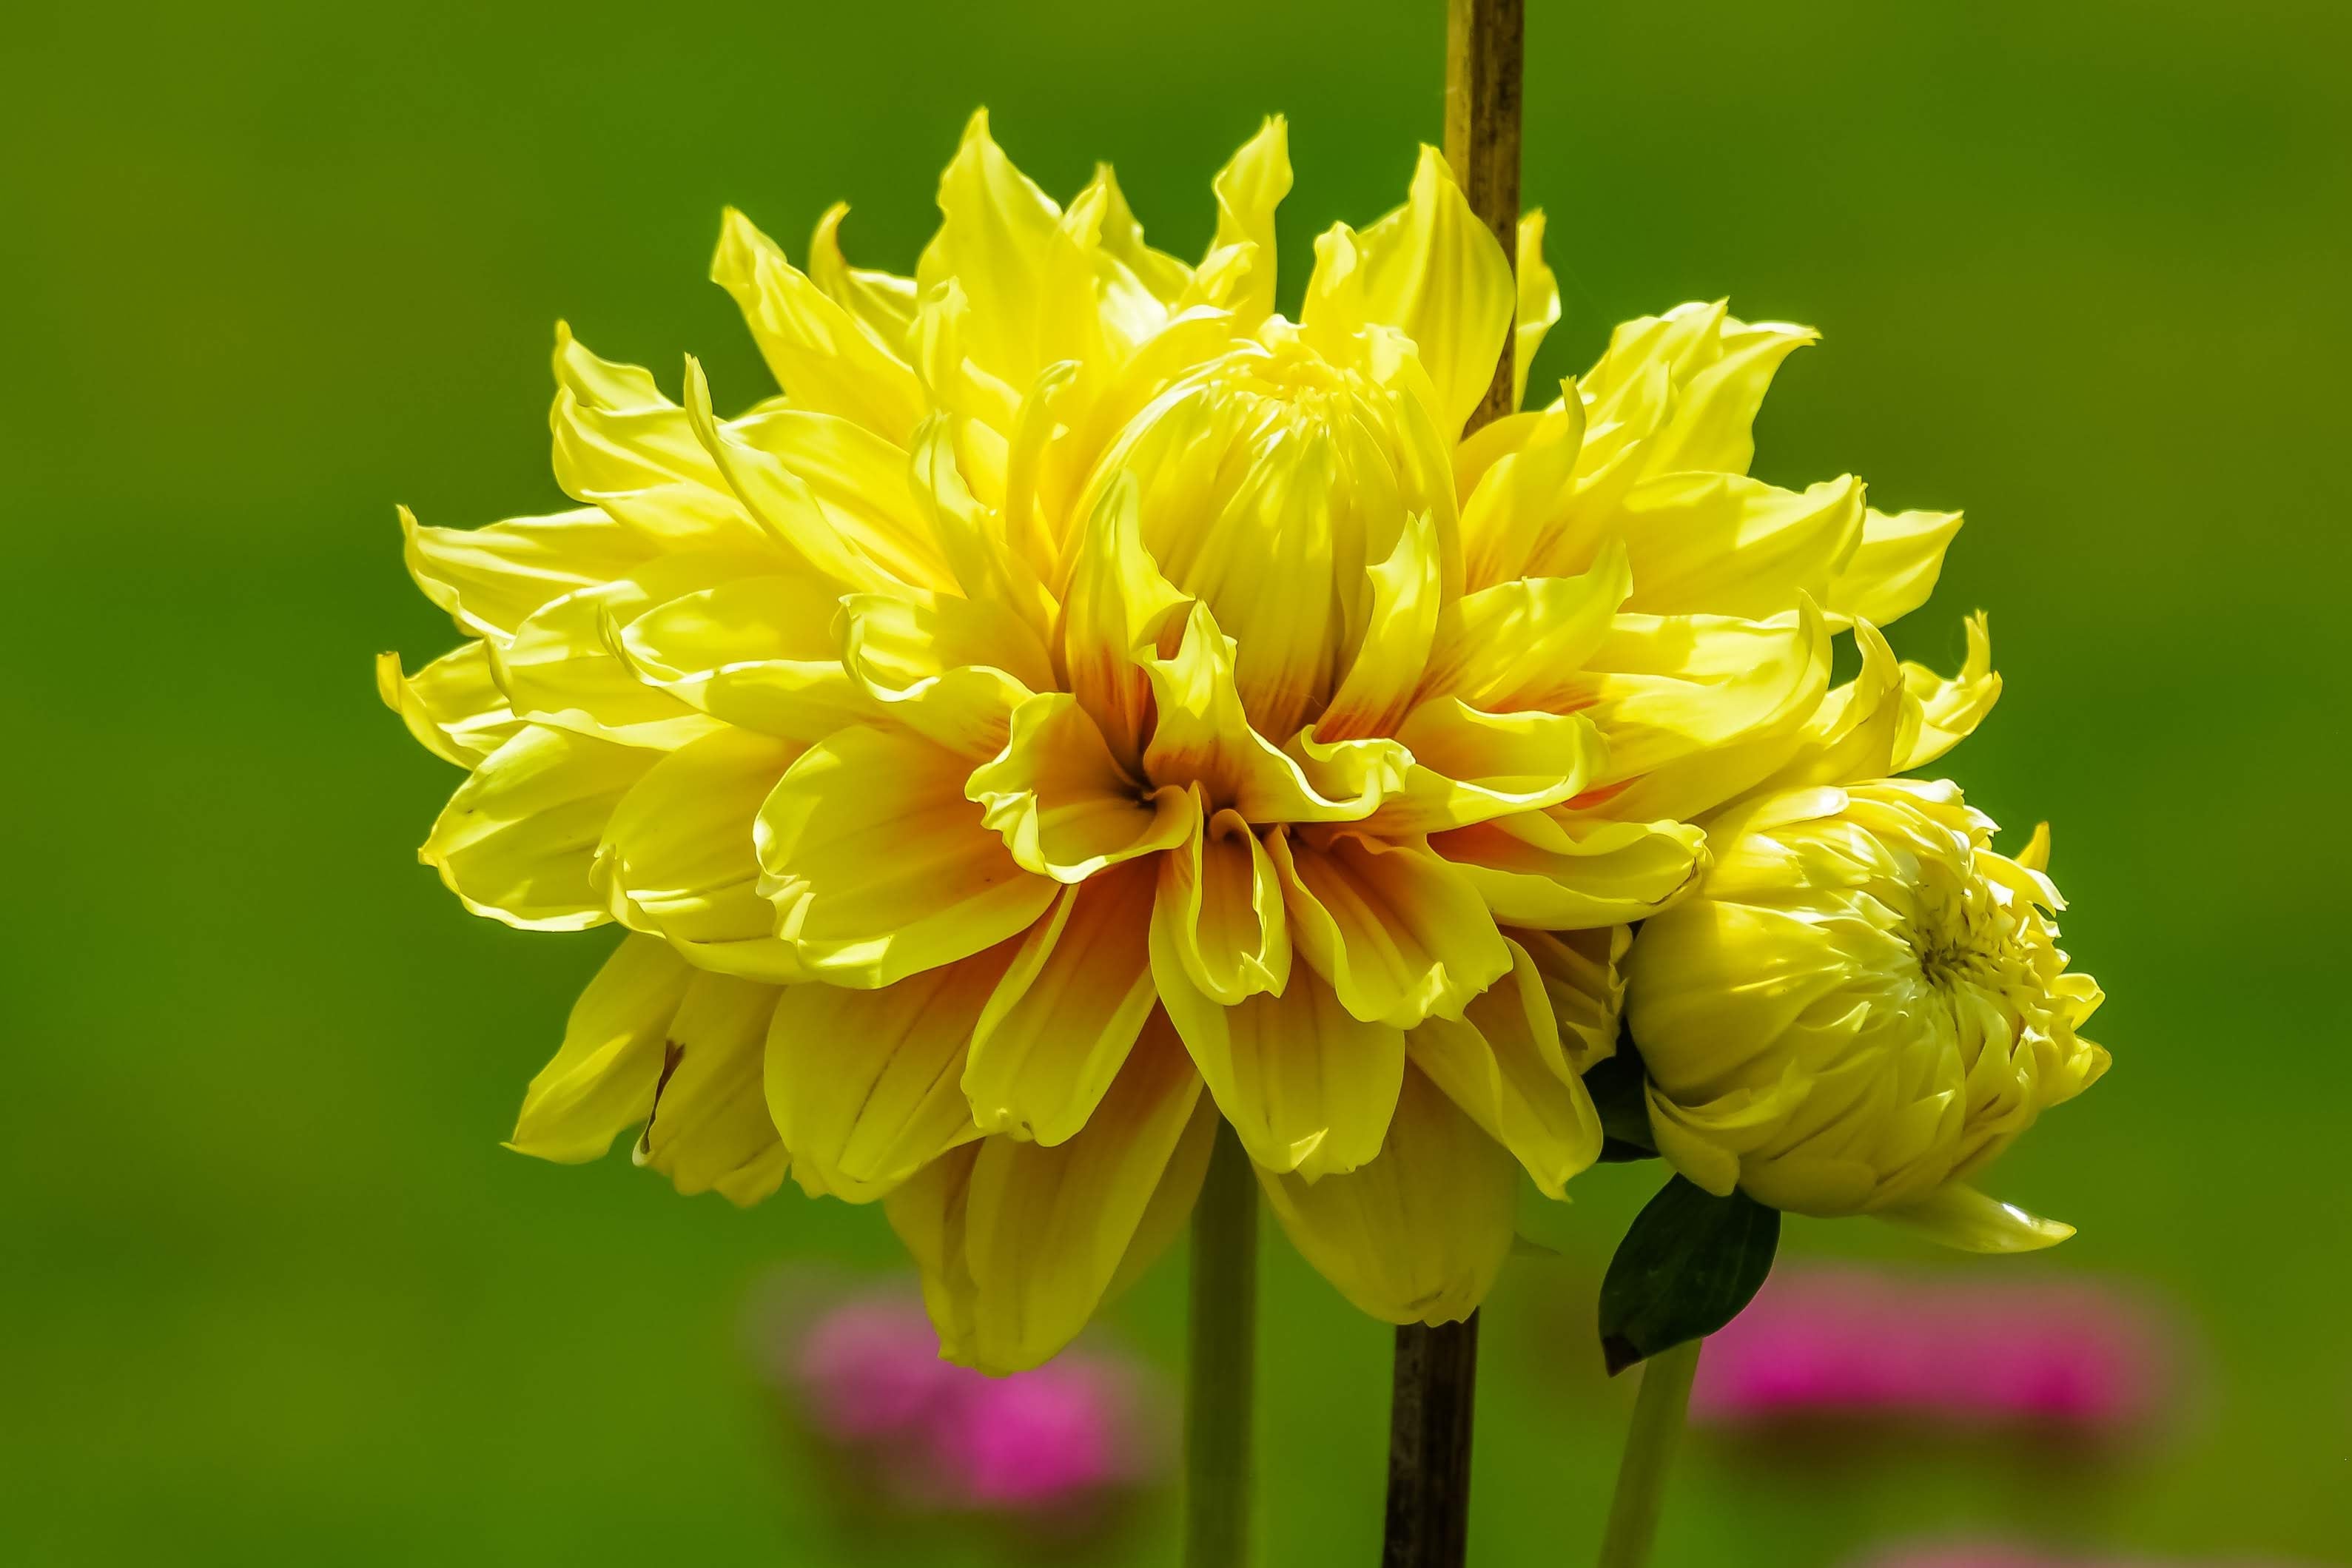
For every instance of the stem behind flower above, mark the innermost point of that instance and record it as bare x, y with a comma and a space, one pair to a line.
1222, 1368
1658, 1412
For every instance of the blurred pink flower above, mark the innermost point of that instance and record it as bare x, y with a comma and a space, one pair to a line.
1842, 1343
863, 1375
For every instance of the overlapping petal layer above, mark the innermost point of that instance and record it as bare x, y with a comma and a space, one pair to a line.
1085, 706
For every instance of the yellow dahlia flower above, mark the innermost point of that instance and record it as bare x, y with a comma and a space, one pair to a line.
1084, 688
1860, 1008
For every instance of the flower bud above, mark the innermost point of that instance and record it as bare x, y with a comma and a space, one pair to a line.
1861, 1006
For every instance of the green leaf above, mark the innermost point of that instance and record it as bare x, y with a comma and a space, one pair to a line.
1688, 1263
1615, 1084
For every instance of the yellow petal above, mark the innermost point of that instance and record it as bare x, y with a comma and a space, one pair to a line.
822, 358
784, 505
1018, 1243
453, 706
1161, 275
2035, 855
1389, 661
860, 481
1698, 709
1117, 608
1960, 1216
601, 1078
1860, 729
491, 578
1680, 390
1520, 496
1468, 765
881, 302
865, 1084
996, 232
519, 838
1307, 1087
562, 668
1248, 191
677, 856
942, 666
1399, 935
1895, 569
1950, 710
1203, 736
1584, 980
710, 1129
1539, 311
1432, 271
1060, 1023
1515, 645
1558, 870
1722, 544
972, 536
622, 447
1502, 1063
1419, 1234
758, 653
1219, 912
1064, 806
879, 866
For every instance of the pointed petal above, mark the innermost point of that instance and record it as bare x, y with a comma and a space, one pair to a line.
942, 666
1585, 981
1307, 1087
1950, 710
758, 653
518, 838
1502, 1063
1518, 501
602, 1078
1554, 870
1218, 911
1511, 646
453, 706
1896, 566
1722, 544
1388, 667
822, 358
880, 867
1960, 1216
881, 302
1018, 1243
1116, 610
710, 1129
1419, 1235
996, 232
562, 667
1060, 1023
1432, 271
490, 578
1539, 311
865, 1084
1399, 935
1064, 806
677, 857
1248, 190
1202, 735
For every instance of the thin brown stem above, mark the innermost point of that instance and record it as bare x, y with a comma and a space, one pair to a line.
1485, 44
1434, 1397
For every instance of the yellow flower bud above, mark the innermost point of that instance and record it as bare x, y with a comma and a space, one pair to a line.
1861, 1006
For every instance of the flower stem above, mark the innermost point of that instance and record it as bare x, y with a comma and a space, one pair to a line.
1430, 1412
1658, 1412
1221, 1372
1433, 1397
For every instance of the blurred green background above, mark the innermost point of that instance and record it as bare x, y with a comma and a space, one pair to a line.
273, 1293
